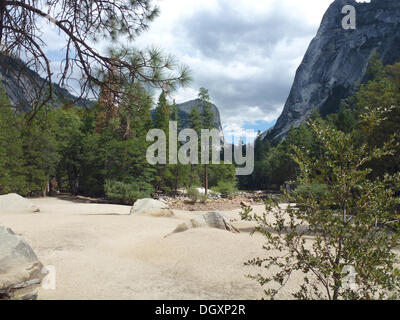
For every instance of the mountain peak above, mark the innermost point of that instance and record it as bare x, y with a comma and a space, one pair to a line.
337, 60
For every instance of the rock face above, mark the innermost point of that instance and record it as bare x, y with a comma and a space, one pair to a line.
22, 83
20, 269
14, 203
151, 207
185, 109
337, 60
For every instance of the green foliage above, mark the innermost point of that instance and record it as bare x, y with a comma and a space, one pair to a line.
227, 189
203, 198
204, 95
128, 193
193, 194
315, 191
162, 114
40, 156
222, 172
343, 218
273, 163
11, 177
195, 121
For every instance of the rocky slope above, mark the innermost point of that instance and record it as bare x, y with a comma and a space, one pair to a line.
337, 60
22, 84
19, 82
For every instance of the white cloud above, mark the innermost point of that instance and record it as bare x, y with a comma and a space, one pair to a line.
245, 52
272, 63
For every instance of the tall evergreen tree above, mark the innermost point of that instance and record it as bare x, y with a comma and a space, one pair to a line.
11, 178
207, 123
164, 177
196, 125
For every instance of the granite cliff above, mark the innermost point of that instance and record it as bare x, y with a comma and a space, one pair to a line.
23, 85
337, 60
185, 109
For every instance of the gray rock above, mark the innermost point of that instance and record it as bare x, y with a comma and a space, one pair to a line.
23, 85
215, 220
337, 60
186, 108
151, 207
20, 269
208, 220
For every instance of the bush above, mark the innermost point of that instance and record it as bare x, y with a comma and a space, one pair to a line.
226, 189
315, 191
203, 198
127, 193
193, 194
350, 254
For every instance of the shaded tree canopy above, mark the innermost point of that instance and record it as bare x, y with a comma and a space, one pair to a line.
84, 23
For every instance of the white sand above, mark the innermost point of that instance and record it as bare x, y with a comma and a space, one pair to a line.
100, 252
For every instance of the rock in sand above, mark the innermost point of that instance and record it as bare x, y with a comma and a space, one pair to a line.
14, 203
208, 220
151, 207
20, 269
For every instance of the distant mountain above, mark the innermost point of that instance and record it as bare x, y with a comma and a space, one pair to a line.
337, 60
22, 84
186, 108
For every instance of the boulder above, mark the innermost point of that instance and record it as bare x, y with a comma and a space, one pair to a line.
207, 220
14, 203
151, 207
20, 269
218, 221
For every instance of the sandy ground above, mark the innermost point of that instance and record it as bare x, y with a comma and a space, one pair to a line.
101, 252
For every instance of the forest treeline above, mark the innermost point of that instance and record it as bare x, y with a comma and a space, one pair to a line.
99, 151
274, 165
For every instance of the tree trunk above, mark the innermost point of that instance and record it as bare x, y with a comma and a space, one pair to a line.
206, 179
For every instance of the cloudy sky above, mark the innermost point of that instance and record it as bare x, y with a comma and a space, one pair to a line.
245, 52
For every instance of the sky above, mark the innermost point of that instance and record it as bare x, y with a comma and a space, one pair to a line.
245, 52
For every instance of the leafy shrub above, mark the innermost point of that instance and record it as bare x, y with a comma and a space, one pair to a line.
127, 193
193, 194
203, 198
351, 255
226, 189
314, 191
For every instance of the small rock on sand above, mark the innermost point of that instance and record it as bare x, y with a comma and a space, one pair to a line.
245, 204
151, 207
14, 203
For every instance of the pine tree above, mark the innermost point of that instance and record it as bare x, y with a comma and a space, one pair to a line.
207, 123
164, 177
11, 178
179, 171
40, 156
196, 125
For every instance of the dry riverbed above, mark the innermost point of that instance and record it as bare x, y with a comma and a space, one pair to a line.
101, 252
